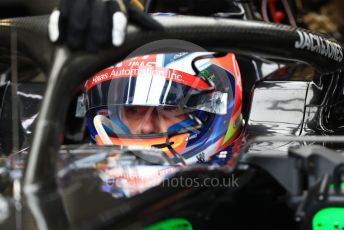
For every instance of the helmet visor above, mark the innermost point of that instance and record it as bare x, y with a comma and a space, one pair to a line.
153, 86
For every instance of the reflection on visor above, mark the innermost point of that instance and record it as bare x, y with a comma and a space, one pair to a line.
156, 87
137, 120
146, 120
138, 112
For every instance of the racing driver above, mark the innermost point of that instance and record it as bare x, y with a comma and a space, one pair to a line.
188, 105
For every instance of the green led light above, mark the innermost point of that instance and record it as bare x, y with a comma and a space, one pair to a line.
171, 224
341, 185
329, 218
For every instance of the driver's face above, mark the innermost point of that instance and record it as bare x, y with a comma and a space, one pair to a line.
150, 120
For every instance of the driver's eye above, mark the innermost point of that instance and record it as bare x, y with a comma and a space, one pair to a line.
171, 112
131, 110
134, 112
170, 109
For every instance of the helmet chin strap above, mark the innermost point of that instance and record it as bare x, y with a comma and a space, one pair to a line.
178, 157
99, 121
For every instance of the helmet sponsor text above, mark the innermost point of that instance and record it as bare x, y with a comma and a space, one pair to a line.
146, 71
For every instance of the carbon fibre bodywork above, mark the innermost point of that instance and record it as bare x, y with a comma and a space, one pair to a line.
281, 97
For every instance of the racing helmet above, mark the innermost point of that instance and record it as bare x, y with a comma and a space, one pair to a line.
192, 100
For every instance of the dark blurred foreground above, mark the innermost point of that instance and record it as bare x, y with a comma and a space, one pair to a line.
19, 8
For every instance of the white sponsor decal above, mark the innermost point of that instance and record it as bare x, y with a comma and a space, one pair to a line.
317, 44
143, 71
